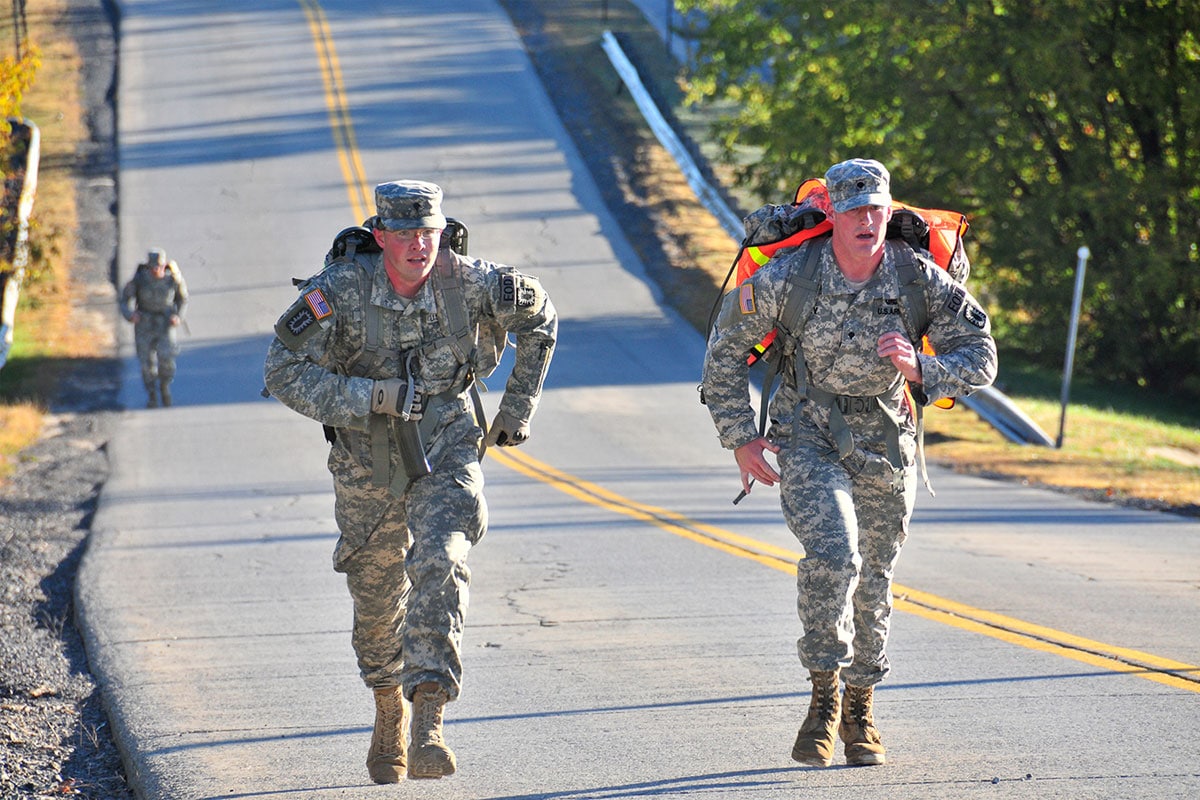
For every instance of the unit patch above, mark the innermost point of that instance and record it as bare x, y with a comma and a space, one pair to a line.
746, 299
975, 315
299, 321
304, 318
520, 291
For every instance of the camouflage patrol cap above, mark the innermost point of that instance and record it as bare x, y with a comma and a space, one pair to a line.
156, 257
400, 205
858, 182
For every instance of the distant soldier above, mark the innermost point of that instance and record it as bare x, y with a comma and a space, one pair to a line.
154, 301
383, 346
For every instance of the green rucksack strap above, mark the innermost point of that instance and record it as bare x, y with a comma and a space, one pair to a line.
803, 284
461, 337
459, 334
912, 280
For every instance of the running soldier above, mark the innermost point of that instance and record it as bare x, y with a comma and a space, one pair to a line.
844, 433
383, 348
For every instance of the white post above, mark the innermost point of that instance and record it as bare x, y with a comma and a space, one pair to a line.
1080, 269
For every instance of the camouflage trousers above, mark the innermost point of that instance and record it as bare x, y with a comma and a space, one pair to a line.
154, 338
852, 523
405, 561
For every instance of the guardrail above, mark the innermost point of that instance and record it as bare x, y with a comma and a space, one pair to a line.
990, 404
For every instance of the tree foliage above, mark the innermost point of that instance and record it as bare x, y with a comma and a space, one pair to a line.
16, 75
1051, 123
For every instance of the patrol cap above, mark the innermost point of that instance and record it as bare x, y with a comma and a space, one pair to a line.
401, 205
858, 182
156, 257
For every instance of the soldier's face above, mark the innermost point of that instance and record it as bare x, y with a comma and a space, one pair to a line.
861, 230
158, 270
410, 252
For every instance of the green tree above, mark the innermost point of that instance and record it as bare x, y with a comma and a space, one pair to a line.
1051, 123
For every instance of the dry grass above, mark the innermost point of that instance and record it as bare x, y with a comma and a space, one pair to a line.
1105, 454
44, 333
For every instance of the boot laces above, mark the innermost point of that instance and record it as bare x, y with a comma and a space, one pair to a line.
858, 705
429, 717
825, 698
390, 711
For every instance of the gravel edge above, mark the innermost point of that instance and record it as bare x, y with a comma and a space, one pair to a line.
53, 725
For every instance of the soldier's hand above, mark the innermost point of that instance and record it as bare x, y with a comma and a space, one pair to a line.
391, 396
753, 466
507, 430
900, 351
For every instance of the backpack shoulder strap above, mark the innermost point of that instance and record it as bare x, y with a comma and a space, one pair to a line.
912, 280
803, 284
458, 331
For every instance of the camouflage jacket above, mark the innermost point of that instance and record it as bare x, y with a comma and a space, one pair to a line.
317, 365
150, 295
838, 338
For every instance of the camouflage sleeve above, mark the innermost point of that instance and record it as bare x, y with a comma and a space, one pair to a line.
964, 360
520, 305
746, 316
127, 303
300, 369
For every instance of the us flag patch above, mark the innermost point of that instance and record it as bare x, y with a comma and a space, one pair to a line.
316, 301
746, 298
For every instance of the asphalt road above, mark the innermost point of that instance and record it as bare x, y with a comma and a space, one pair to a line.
631, 632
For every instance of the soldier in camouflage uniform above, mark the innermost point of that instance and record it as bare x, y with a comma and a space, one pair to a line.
844, 434
154, 300
369, 350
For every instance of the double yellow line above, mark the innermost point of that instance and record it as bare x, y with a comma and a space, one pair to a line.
939, 609
361, 198
997, 626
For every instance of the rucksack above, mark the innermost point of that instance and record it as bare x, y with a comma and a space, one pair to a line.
775, 227
772, 228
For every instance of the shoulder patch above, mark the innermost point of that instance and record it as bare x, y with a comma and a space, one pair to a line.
316, 301
975, 315
303, 319
520, 291
746, 299
955, 301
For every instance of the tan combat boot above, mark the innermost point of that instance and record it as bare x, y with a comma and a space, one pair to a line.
818, 733
386, 758
428, 755
864, 747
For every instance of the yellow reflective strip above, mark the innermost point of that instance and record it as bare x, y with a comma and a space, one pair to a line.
757, 255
